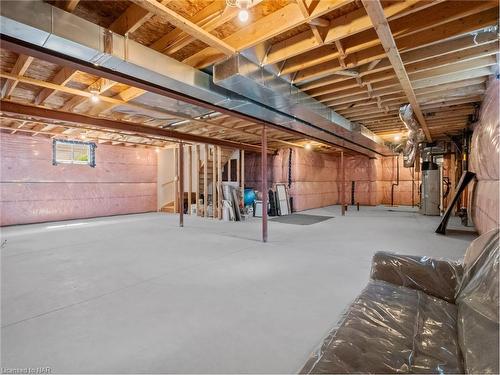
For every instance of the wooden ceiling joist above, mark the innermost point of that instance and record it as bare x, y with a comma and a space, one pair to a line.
339, 28
187, 26
402, 28
445, 31
61, 78
22, 64
68, 5
438, 55
122, 126
284, 19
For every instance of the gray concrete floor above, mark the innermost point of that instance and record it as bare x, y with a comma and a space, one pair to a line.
136, 294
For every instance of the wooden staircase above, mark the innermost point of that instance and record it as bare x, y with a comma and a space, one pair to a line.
225, 156
171, 207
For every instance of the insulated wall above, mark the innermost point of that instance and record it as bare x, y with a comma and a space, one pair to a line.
484, 161
316, 178
406, 191
33, 190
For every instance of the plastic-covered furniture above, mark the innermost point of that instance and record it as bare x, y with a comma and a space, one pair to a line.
420, 315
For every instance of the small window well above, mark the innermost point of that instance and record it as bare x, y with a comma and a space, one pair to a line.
73, 152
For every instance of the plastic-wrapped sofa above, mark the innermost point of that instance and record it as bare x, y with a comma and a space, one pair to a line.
420, 315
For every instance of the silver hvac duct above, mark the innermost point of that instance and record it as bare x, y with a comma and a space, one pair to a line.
241, 75
40, 24
415, 135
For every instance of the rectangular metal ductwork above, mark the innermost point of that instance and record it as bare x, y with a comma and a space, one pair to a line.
42, 25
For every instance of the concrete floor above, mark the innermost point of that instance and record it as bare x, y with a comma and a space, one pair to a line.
135, 294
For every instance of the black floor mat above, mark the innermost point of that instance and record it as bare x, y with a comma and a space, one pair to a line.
300, 219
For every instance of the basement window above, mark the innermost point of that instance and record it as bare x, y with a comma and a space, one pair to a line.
73, 152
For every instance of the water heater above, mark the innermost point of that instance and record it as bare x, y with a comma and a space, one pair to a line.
431, 189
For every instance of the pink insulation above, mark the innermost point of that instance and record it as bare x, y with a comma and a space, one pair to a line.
316, 178
408, 185
33, 190
485, 162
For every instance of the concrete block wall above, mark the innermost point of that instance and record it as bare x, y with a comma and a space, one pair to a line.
33, 190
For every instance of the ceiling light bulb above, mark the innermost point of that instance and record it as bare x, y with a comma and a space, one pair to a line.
397, 137
94, 98
308, 146
243, 15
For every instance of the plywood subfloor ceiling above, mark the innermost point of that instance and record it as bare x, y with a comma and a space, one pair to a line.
442, 53
35, 82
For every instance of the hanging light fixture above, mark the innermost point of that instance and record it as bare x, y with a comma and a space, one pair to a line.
94, 97
243, 6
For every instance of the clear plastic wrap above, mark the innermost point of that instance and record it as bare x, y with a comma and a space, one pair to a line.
404, 329
485, 161
438, 278
391, 329
478, 306
485, 143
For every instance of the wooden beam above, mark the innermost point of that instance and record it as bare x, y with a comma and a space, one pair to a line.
469, 59
376, 13
284, 19
133, 18
121, 126
62, 77
107, 103
22, 64
59, 133
339, 28
187, 26
68, 5
453, 76
422, 57
209, 18
319, 22
314, 28
130, 20
407, 43
100, 86
121, 98
402, 28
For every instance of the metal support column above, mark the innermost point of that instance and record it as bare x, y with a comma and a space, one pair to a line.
342, 188
264, 183
181, 184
